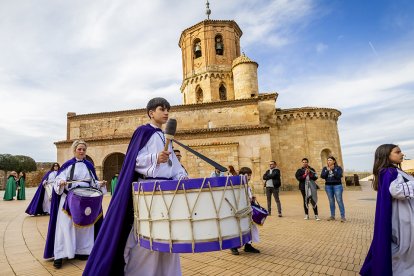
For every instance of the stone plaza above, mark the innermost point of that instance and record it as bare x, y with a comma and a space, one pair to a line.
289, 245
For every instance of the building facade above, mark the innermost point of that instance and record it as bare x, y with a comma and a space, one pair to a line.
223, 116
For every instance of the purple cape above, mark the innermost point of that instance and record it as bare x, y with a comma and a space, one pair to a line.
107, 257
54, 208
378, 260
36, 205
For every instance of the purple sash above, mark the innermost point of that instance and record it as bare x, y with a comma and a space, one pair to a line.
84, 205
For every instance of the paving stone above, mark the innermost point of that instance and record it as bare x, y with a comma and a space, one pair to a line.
289, 245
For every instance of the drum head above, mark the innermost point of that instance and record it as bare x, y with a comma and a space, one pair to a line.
87, 192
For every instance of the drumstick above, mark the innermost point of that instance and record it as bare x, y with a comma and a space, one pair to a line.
170, 130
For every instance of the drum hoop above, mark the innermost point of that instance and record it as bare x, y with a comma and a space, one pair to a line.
85, 188
137, 196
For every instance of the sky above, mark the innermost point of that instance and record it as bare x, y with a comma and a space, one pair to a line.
97, 56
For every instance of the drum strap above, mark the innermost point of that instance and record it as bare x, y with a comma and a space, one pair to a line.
72, 171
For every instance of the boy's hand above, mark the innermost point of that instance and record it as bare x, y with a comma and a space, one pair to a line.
62, 183
163, 156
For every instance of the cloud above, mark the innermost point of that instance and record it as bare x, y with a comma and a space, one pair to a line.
86, 57
321, 47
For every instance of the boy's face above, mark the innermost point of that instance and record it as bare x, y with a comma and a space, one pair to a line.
159, 115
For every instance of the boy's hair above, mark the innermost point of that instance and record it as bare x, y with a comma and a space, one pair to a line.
305, 159
245, 170
156, 102
381, 161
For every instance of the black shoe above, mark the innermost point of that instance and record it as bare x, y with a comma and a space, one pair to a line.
57, 263
234, 251
81, 257
280, 215
249, 248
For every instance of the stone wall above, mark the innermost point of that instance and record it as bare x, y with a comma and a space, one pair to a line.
305, 132
197, 116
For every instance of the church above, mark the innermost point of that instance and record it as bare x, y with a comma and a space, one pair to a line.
222, 115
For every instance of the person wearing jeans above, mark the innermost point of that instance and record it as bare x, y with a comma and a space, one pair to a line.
272, 184
332, 174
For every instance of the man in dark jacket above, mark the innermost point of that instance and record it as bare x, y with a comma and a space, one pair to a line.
272, 184
304, 174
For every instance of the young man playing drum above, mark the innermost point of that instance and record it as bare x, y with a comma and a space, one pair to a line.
116, 251
64, 239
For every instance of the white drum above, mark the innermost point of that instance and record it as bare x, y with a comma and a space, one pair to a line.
192, 215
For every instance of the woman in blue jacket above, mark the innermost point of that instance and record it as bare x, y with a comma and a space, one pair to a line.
332, 174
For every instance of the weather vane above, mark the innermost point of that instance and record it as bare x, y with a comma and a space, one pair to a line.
208, 11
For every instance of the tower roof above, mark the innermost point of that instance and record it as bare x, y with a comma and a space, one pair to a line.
210, 22
243, 59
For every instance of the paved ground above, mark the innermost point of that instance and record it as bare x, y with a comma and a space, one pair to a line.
289, 245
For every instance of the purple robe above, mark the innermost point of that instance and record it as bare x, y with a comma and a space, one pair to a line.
107, 256
379, 258
35, 207
54, 205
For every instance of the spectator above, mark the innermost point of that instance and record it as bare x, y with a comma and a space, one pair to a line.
305, 175
232, 171
332, 174
272, 184
178, 154
217, 173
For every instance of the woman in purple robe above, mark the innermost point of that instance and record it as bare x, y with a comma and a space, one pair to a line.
40, 204
392, 248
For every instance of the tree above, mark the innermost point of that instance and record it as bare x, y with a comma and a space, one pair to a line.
25, 163
8, 162
19, 163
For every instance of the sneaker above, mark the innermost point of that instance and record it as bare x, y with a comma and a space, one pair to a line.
234, 251
343, 219
331, 218
249, 248
280, 215
317, 218
57, 263
306, 217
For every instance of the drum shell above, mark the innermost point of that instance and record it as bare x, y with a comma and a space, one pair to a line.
194, 218
259, 214
84, 210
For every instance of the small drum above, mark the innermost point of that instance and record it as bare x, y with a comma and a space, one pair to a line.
192, 215
84, 205
48, 189
259, 214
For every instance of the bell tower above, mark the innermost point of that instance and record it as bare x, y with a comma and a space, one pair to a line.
208, 50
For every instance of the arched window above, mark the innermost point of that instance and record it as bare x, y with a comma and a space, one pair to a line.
197, 48
199, 95
222, 93
219, 45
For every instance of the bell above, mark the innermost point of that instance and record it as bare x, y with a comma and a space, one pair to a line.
219, 46
198, 48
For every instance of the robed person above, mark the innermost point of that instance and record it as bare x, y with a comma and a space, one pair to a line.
116, 250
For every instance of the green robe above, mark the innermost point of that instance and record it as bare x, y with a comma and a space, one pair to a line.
114, 181
21, 193
10, 191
